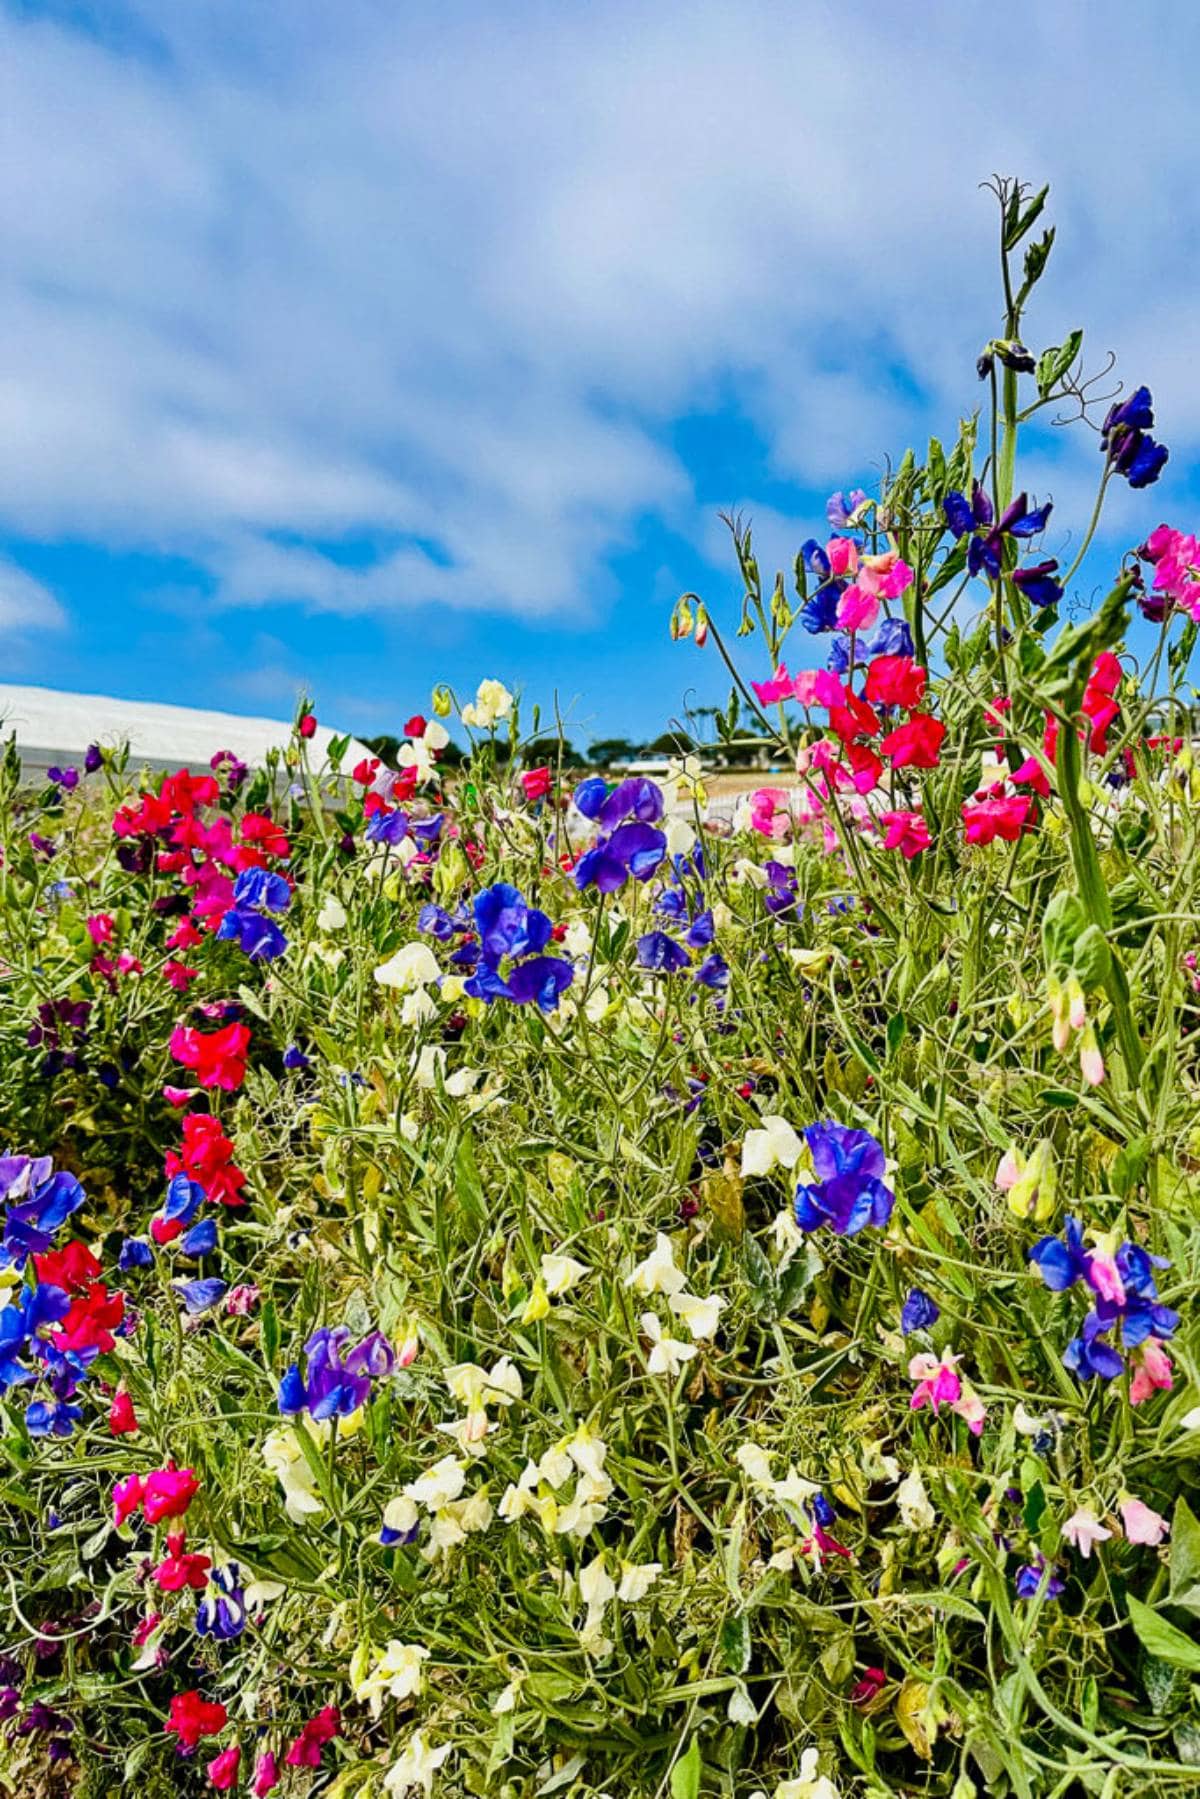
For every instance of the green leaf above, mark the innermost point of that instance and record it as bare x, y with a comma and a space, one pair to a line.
685, 1775
1018, 222
1054, 362
1185, 1557
735, 1644
1162, 1639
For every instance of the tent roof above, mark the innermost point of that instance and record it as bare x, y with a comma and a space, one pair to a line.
57, 727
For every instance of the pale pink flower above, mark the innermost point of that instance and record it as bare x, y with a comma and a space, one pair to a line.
1142, 1524
1083, 1530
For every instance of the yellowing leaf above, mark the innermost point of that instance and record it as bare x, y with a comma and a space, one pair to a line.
912, 1715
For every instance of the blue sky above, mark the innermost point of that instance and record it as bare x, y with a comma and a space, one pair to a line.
368, 345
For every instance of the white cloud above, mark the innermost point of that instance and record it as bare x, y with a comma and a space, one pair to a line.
25, 604
441, 280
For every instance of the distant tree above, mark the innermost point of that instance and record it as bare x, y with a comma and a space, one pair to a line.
670, 743
548, 749
385, 747
607, 750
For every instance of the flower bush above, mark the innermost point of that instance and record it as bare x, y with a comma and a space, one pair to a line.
512, 1286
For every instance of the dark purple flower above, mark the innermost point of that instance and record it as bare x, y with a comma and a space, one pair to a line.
713, 972
636, 797
295, 1058
221, 1614
1126, 442
506, 925
135, 1253
1038, 584
92, 759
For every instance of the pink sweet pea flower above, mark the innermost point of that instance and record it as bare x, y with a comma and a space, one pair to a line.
906, 832
843, 556
127, 1497
858, 609
937, 1381
779, 687
536, 783
266, 1775
885, 575
223, 1768
100, 927
1083, 1530
168, 1493
818, 687
1152, 1372
768, 812
1142, 1524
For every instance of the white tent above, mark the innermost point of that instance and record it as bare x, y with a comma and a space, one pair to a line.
56, 728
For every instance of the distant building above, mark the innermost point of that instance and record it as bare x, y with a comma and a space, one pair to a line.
54, 728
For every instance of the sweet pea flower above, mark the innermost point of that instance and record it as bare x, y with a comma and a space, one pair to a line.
1142, 1524
906, 832
1152, 1371
1083, 1530
668, 1354
779, 687
416, 1766
223, 1768
266, 1775
773, 1142
168, 1493
561, 1273
1031, 1184
658, 1273
191, 1717
492, 702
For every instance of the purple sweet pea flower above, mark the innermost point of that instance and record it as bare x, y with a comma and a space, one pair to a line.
918, 1312
541, 979
660, 953
850, 1191
1031, 1577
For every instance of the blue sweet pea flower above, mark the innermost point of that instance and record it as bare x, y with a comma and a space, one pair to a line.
258, 887
541, 979
1030, 1580
51, 1418
590, 795
201, 1240
713, 972
660, 953
200, 1296
918, 1312
295, 1058
183, 1201
632, 850
1126, 443
221, 1613
1062, 1263
135, 1253
506, 925
850, 1191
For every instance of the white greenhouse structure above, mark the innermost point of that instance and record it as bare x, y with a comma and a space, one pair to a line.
54, 729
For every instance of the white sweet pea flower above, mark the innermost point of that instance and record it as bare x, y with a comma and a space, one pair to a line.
561, 1273
577, 940
413, 965
556, 1466
596, 1585
419, 1008
701, 1316
284, 1457
332, 916
259, 1593
658, 1273
755, 1463
637, 1578
398, 1673
916, 1512
446, 1532
775, 1142
788, 1238
520, 1500
669, 1354
400, 1515
492, 702
463, 1082
680, 834
587, 1451
416, 1767
439, 1484
429, 1064
1191, 1420
811, 1783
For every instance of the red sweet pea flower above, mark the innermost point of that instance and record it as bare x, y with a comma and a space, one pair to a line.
185, 791
192, 1717
73, 1267
168, 1493
873, 1681
895, 681
1098, 702
305, 1752
308, 725
180, 1568
537, 783
415, 726
208, 1160
90, 1322
906, 832
265, 834
223, 1768
854, 719
917, 744
178, 975
993, 815
185, 936
865, 767
122, 1419
366, 770
216, 1058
